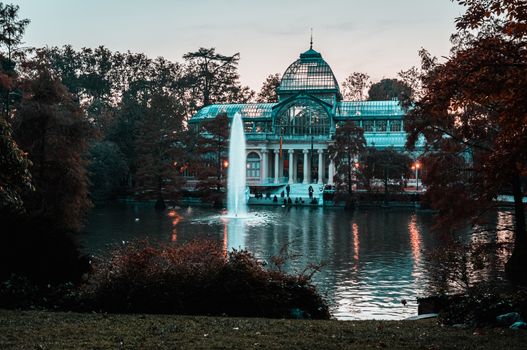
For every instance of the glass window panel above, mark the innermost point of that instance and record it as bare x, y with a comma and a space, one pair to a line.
381, 125
395, 125
367, 125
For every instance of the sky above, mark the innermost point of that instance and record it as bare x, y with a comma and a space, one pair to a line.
378, 37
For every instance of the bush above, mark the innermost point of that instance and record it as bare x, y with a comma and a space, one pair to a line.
197, 278
32, 247
480, 307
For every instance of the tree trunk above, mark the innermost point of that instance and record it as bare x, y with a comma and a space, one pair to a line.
160, 203
385, 185
516, 267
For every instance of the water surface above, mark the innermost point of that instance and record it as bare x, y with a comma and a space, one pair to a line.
372, 259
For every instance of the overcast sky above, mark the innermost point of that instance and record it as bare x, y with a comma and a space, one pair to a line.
378, 37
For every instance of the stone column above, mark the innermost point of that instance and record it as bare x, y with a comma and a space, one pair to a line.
291, 168
306, 167
320, 166
265, 166
331, 171
276, 165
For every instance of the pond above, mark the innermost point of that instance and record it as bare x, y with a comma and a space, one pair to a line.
372, 259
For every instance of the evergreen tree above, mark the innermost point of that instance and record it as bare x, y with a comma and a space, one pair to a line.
267, 93
50, 127
213, 78
348, 145
213, 148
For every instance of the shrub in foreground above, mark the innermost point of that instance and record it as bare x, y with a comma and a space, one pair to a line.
197, 278
32, 247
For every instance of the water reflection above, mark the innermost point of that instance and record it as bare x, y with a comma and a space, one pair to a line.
355, 230
176, 218
415, 240
233, 234
373, 258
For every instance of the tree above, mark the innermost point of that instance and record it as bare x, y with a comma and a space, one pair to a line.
387, 164
213, 78
11, 28
107, 169
50, 127
268, 91
212, 147
349, 143
158, 151
389, 89
355, 86
11, 32
473, 118
15, 178
411, 78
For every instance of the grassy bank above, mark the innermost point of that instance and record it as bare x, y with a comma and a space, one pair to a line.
57, 330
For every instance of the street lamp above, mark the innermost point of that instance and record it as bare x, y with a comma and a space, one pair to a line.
416, 167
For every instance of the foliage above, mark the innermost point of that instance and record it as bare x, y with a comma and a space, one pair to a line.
213, 147
387, 164
141, 105
213, 78
355, 85
15, 178
389, 89
199, 279
472, 115
34, 248
107, 169
481, 307
158, 143
49, 126
412, 78
349, 143
11, 28
267, 93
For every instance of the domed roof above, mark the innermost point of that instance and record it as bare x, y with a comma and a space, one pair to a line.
309, 72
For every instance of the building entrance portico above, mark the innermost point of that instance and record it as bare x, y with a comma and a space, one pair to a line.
291, 165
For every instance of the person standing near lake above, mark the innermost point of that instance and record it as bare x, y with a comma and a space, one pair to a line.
310, 190
288, 189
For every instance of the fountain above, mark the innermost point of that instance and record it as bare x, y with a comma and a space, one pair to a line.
236, 200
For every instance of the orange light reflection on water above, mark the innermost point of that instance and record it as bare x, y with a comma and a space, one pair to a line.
176, 218
356, 242
415, 239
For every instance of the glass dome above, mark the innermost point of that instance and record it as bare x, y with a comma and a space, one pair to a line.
309, 72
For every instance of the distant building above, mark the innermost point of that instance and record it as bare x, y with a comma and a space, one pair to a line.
287, 141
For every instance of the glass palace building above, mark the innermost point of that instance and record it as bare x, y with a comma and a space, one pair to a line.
287, 141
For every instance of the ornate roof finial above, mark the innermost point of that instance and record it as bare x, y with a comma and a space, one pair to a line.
311, 42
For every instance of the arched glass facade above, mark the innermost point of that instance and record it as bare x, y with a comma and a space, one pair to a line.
302, 117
